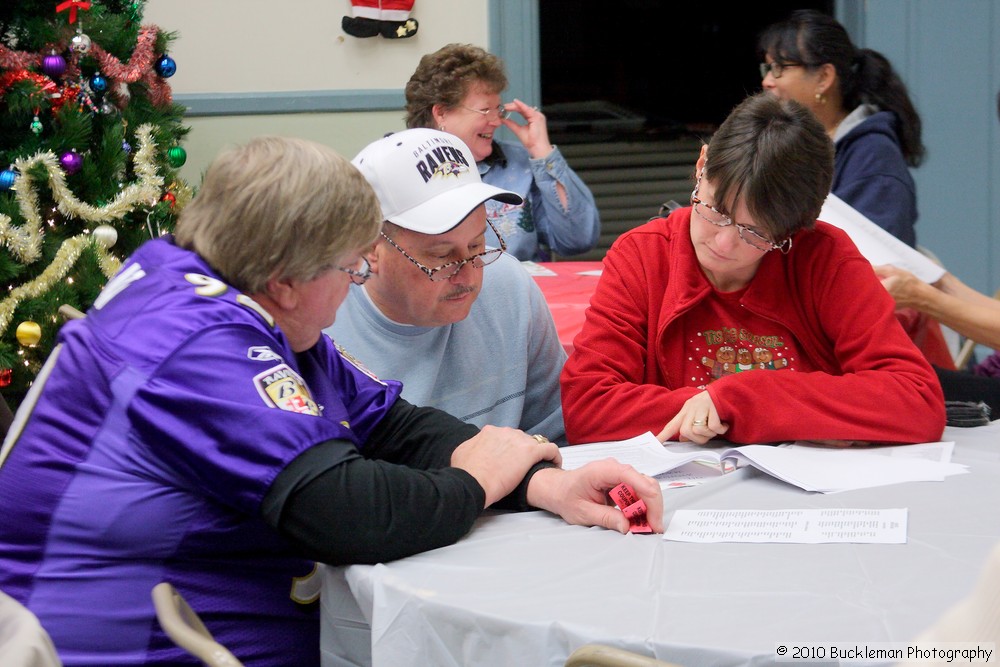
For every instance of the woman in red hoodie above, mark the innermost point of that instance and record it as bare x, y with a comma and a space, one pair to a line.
744, 317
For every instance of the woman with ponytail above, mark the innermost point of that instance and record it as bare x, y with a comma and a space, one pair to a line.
864, 106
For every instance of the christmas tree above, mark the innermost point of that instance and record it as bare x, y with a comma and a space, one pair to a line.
89, 152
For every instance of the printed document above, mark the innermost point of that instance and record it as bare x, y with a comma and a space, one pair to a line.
792, 526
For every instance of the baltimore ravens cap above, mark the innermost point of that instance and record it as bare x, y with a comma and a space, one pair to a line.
426, 180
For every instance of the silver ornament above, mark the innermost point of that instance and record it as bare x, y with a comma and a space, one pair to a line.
80, 43
106, 236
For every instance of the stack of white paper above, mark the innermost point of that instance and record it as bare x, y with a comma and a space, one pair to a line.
809, 467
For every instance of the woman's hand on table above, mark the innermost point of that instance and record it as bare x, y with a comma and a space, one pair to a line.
697, 421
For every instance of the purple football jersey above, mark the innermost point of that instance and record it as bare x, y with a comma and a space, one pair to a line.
161, 421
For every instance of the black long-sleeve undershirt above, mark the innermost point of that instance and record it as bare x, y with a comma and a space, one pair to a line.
397, 497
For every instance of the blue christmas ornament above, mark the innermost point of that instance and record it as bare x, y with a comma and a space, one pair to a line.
166, 67
7, 179
98, 83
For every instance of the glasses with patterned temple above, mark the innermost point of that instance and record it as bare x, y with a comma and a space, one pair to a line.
500, 112
776, 69
358, 276
451, 269
716, 217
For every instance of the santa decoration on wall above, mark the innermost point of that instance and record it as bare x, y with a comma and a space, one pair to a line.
389, 18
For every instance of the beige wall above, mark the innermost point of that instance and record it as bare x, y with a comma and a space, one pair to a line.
267, 47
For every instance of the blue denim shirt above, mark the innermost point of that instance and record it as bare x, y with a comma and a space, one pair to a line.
541, 226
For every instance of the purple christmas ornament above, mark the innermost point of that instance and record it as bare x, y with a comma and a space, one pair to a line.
54, 65
71, 162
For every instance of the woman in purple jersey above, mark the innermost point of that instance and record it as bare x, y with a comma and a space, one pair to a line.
196, 427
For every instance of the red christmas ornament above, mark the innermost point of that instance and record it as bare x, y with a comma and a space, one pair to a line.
6, 375
170, 199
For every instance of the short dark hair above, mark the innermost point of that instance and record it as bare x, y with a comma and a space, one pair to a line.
775, 155
445, 77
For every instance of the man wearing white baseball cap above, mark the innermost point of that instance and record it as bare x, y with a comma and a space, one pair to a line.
462, 325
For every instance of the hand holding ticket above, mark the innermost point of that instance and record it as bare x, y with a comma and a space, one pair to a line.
633, 507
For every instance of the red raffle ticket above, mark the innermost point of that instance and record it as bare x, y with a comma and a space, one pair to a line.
632, 507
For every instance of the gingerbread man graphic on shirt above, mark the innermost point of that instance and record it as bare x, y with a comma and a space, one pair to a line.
723, 364
764, 359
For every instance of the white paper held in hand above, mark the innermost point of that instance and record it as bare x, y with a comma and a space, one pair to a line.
877, 245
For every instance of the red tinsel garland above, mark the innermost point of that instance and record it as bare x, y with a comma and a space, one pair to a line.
158, 89
44, 83
140, 62
139, 67
11, 59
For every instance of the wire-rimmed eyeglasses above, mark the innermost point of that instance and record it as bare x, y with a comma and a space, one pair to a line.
358, 276
451, 269
712, 215
499, 112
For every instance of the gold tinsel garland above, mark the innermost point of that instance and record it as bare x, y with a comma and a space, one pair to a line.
25, 242
64, 260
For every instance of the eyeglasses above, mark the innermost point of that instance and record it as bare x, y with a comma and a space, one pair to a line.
716, 217
776, 69
358, 276
451, 269
500, 112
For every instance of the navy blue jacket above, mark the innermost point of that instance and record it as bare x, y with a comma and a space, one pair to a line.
871, 174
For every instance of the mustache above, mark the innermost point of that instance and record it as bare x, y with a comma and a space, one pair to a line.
459, 291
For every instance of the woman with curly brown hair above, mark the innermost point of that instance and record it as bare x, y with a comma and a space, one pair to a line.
457, 89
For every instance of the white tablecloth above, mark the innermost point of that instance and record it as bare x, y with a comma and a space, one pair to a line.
527, 589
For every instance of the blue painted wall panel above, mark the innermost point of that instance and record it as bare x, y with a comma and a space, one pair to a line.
947, 54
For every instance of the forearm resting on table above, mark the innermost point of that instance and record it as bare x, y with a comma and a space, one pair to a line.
545, 490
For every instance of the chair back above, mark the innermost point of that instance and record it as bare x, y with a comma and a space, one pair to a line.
598, 655
23, 640
186, 629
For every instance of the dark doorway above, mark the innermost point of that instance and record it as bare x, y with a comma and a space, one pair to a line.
657, 67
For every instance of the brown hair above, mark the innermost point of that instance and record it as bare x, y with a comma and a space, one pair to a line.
446, 76
777, 157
